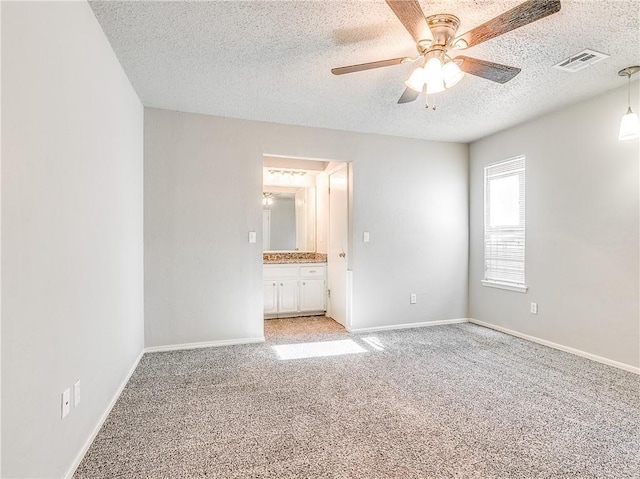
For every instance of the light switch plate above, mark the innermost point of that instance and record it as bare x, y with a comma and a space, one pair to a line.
365, 237
252, 237
534, 308
66, 403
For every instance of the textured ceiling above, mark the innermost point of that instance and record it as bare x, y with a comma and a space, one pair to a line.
271, 61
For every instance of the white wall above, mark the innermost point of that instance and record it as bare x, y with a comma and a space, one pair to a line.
203, 280
0, 242
412, 197
582, 201
72, 244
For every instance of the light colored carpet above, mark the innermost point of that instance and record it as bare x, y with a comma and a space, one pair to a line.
457, 401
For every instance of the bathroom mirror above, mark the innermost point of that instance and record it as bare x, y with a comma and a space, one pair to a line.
289, 219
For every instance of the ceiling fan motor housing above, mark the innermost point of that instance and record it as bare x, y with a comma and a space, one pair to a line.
443, 28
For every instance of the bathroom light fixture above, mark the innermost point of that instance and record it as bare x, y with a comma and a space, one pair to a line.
290, 173
630, 124
267, 199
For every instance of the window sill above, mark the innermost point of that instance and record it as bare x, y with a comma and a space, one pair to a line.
508, 286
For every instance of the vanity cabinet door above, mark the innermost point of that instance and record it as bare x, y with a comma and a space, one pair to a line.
287, 296
312, 297
270, 297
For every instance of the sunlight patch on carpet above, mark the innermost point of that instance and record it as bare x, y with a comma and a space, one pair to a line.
374, 342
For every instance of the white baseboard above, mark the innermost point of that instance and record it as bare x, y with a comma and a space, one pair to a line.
205, 344
566, 349
408, 325
102, 419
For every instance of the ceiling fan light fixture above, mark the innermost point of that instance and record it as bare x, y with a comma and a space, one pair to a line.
433, 70
452, 74
417, 80
434, 76
435, 86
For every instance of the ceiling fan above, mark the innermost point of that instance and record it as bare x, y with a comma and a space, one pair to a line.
435, 38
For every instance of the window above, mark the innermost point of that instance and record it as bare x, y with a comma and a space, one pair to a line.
504, 225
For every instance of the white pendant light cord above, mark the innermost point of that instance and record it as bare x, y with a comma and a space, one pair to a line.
629, 92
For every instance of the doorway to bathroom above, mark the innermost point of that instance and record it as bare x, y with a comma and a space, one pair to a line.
305, 245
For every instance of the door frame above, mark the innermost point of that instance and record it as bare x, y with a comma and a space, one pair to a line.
334, 165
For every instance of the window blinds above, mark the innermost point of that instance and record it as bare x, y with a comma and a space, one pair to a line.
504, 222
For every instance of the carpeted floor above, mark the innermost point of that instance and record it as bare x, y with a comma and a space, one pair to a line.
457, 401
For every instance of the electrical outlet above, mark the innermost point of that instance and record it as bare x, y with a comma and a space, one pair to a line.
534, 308
413, 299
66, 403
76, 393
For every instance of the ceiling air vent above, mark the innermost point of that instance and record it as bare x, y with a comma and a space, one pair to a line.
581, 60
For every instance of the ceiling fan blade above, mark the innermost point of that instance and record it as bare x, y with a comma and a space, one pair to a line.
409, 95
523, 14
367, 66
411, 16
491, 71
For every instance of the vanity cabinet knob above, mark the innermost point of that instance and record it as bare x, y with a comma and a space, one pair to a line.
303, 283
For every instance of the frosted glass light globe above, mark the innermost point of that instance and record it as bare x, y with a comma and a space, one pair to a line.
452, 74
629, 126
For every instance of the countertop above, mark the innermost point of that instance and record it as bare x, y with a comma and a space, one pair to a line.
293, 257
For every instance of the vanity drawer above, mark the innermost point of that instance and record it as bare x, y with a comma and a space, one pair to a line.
279, 272
312, 271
